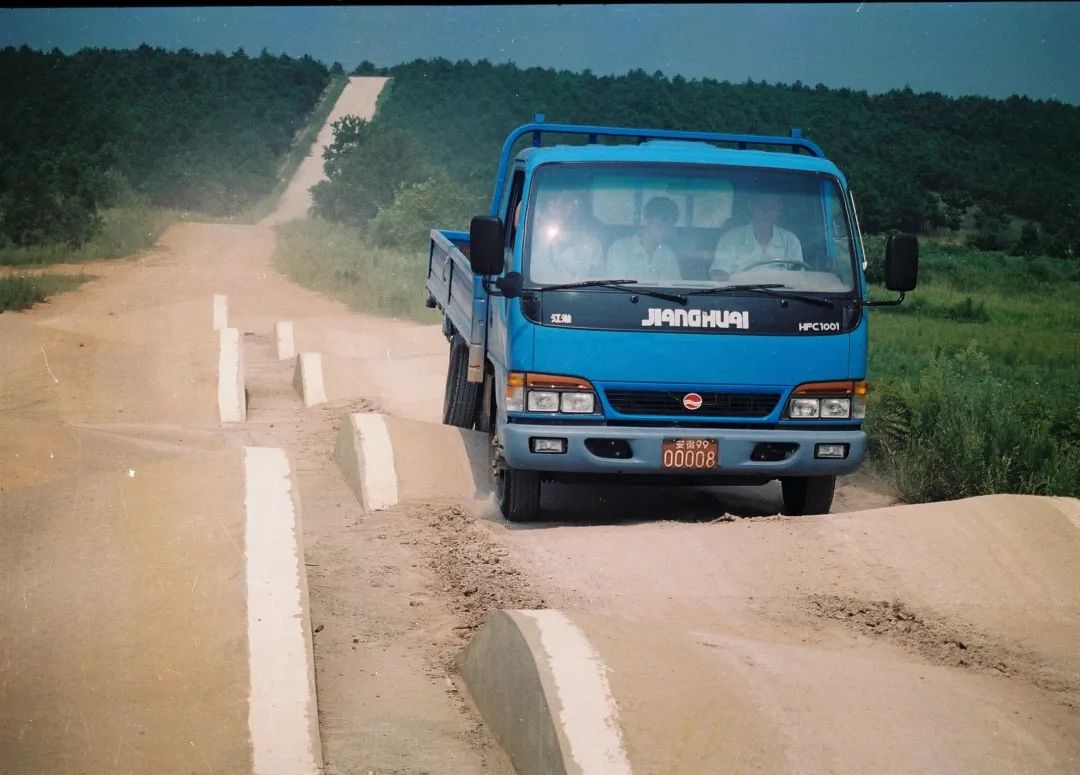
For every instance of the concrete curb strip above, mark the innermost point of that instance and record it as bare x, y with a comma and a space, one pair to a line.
221, 312
365, 456
389, 460
282, 714
283, 335
308, 379
232, 403
543, 691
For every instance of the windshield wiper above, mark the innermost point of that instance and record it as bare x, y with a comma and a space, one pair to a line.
676, 297
766, 288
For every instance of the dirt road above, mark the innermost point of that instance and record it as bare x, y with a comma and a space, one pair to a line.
895, 638
357, 99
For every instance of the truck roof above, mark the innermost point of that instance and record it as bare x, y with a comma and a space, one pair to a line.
679, 152
659, 145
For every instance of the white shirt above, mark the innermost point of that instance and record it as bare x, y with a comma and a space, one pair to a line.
629, 260
739, 249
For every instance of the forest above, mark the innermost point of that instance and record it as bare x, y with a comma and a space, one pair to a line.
998, 174
101, 128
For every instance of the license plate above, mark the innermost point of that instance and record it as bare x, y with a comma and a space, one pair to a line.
690, 453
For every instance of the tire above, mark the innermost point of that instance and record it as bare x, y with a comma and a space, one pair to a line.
805, 495
518, 494
461, 397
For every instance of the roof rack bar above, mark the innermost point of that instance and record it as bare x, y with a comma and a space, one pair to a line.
539, 127
537, 119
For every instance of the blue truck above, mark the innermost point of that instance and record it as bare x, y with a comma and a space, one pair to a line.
648, 306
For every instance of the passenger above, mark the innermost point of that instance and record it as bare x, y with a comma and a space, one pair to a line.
758, 241
645, 256
563, 249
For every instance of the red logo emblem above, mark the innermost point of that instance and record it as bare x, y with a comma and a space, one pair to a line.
692, 401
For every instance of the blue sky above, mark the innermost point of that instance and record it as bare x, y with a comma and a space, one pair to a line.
991, 49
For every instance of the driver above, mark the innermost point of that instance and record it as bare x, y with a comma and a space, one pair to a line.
758, 241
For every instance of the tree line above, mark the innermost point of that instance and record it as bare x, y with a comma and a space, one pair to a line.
922, 163
204, 132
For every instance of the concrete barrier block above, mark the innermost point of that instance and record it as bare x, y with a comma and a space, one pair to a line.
232, 402
543, 690
387, 460
283, 334
500, 669
308, 379
365, 456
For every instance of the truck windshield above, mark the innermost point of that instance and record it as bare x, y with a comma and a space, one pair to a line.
693, 226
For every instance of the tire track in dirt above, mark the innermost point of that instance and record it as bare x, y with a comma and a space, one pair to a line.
945, 642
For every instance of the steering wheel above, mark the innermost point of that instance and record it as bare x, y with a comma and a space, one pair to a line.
801, 265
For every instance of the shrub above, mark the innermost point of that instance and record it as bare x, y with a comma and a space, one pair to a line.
989, 238
332, 258
958, 431
967, 310
434, 203
365, 171
24, 291
874, 245
123, 232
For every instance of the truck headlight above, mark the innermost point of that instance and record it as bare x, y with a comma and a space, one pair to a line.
543, 401
549, 394
837, 400
578, 403
836, 408
804, 407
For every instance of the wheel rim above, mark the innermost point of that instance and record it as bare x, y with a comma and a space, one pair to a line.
498, 471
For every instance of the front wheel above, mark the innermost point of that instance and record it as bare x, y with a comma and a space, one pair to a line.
805, 495
518, 493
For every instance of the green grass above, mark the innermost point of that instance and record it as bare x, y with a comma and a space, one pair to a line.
1021, 312
299, 152
333, 259
124, 232
24, 291
975, 378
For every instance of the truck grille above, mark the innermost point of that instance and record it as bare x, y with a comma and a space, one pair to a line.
712, 404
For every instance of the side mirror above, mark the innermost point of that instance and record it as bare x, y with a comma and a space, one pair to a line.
510, 285
486, 241
902, 262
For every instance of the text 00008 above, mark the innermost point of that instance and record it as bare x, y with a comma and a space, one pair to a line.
690, 453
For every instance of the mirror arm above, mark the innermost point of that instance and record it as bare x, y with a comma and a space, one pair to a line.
489, 286
885, 303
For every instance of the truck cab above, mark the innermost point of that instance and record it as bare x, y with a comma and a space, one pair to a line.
687, 308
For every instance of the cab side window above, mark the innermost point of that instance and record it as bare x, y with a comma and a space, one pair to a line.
511, 215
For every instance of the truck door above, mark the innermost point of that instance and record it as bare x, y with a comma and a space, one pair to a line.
497, 311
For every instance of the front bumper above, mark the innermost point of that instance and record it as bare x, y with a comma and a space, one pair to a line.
736, 446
